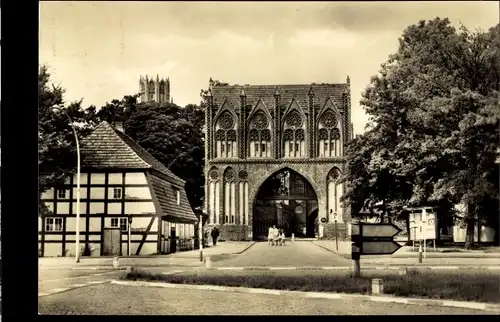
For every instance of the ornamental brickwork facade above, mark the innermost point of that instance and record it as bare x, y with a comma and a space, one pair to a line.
255, 131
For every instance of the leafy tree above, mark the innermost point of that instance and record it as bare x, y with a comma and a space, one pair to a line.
56, 141
174, 136
434, 119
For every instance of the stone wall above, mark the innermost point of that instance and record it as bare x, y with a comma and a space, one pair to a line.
342, 231
256, 173
234, 232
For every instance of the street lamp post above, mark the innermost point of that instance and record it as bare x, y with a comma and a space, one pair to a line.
77, 237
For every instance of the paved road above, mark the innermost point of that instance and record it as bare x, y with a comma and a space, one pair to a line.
300, 253
54, 281
108, 299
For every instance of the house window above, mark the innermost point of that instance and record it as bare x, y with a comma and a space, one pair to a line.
117, 193
177, 196
53, 224
61, 193
121, 223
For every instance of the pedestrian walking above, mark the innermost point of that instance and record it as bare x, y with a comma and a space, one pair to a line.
215, 235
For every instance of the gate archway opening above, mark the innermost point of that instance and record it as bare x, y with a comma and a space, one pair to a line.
286, 199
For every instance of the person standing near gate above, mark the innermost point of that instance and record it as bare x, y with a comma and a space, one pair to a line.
215, 235
270, 236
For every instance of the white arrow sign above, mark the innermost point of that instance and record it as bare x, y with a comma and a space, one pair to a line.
380, 230
380, 247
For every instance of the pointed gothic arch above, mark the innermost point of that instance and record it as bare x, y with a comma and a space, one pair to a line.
259, 125
214, 184
285, 198
294, 129
229, 181
225, 127
328, 124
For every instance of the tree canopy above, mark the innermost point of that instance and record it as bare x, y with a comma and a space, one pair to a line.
434, 125
172, 134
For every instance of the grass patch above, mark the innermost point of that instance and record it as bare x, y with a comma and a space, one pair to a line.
460, 286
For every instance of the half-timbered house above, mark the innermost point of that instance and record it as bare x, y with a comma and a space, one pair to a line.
124, 191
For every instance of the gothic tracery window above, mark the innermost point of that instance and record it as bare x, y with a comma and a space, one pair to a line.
294, 135
225, 136
229, 196
259, 136
329, 142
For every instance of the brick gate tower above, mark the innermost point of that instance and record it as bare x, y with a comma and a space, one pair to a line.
273, 155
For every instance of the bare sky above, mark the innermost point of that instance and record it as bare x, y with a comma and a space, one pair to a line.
97, 50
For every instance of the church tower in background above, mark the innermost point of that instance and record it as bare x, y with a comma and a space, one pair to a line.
152, 90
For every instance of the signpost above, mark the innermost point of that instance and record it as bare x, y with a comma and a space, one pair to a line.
372, 239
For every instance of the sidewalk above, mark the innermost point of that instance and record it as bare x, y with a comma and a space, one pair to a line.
344, 249
188, 258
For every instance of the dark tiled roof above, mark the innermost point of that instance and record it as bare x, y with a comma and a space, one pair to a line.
107, 148
164, 192
266, 92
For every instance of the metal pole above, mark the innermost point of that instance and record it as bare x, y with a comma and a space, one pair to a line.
77, 247
77, 233
336, 236
200, 238
129, 251
425, 248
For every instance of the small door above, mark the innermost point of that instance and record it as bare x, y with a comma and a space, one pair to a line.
112, 242
173, 240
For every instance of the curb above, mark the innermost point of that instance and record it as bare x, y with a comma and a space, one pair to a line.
83, 268
72, 287
429, 254
339, 268
321, 295
251, 244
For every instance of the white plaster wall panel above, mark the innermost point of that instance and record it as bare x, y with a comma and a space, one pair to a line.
145, 207
115, 178
95, 238
114, 208
52, 250
49, 237
97, 178
96, 208
62, 208
135, 178
137, 193
83, 208
95, 224
83, 192
97, 193
71, 224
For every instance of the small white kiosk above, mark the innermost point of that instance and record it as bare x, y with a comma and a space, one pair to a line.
423, 225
